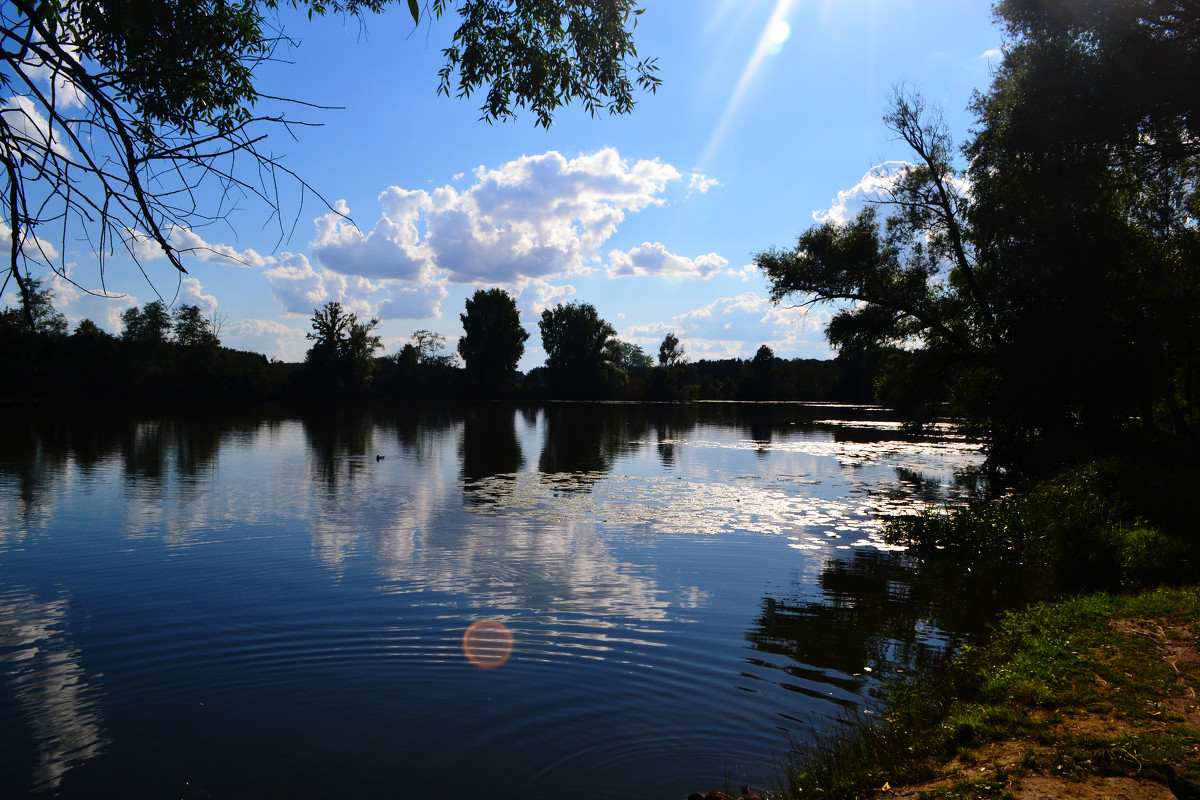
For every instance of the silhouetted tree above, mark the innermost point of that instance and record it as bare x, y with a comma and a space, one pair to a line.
343, 351
172, 106
670, 352
1057, 300
192, 329
493, 340
578, 351
431, 350
629, 357
148, 325
35, 310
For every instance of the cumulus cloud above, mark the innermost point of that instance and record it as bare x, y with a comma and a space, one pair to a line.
266, 336
297, 286
32, 244
65, 93
300, 287
529, 219
534, 296
188, 242
390, 250
192, 293
654, 260
874, 186
29, 128
746, 273
413, 302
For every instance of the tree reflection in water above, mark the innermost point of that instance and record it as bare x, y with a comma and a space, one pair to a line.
489, 448
873, 619
583, 440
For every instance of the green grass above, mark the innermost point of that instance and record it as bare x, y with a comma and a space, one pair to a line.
1114, 525
1040, 666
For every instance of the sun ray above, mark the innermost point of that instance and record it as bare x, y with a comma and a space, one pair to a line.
774, 33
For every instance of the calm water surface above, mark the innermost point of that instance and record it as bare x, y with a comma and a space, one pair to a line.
242, 607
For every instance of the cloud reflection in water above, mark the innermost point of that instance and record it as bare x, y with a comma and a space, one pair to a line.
59, 701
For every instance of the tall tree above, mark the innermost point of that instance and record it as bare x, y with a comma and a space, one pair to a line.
343, 351
35, 311
670, 352
628, 356
1053, 287
150, 324
193, 329
493, 339
578, 349
431, 350
118, 108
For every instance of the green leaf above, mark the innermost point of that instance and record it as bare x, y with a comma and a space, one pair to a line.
415, 10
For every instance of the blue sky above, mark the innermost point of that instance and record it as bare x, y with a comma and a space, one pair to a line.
768, 118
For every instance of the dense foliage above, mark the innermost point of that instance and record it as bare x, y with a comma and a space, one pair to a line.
342, 357
580, 349
493, 340
1047, 287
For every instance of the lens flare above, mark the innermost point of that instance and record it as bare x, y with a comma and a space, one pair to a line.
487, 644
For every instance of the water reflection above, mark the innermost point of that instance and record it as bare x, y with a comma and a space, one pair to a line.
874, 615
341, 446
605, 538
582, 441
489, 448
43, 670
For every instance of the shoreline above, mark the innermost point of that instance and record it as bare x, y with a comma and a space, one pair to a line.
1085, 697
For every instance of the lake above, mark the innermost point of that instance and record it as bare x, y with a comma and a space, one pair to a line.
570, 600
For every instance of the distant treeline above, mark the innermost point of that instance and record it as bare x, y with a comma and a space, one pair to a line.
90, 364
164, 354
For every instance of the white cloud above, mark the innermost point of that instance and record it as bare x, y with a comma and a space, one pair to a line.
266, 336
34, 245
413, 302
748, 272
296, 285
700, 184
648, 260
261, 327
192, 293
529, 219
390, 250
995, 54
187, 242
301, 288
534, 296
734, 327
65, 93
30, 130
874, 186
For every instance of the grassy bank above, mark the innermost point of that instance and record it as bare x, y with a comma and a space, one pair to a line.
1097, 688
